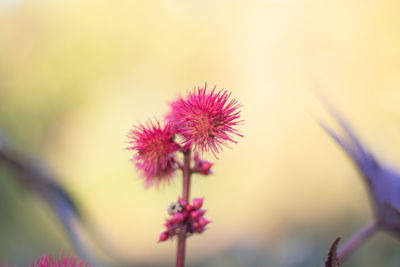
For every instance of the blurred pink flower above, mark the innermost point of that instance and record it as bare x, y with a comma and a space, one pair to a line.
206, 120
62, 261
155, 147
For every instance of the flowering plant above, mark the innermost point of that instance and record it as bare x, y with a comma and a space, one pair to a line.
203, 121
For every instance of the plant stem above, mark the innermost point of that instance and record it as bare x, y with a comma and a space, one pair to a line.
357, 239
180, 256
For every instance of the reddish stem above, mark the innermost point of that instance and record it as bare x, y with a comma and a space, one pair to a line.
180, 256
356, 240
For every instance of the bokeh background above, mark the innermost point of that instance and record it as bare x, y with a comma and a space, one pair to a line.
76, 75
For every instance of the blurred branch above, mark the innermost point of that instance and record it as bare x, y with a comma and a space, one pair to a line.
357, 240
33, 175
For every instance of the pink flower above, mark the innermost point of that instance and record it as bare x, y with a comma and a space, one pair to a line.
206, 120
155, 147
62, 261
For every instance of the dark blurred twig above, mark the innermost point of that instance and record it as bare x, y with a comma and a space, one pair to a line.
332, 260
33, 175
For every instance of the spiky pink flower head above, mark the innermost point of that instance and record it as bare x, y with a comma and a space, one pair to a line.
62, 261
206, 119
155, 147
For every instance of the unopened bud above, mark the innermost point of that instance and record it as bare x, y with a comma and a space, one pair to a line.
197, 203
189, 208
163, 236
182, 202
203, 221
204, 167
195, 214
178, 217
196, 226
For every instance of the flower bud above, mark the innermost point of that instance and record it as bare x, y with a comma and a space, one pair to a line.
195, 214
196, 226
205, 167
178, 217
201, 212
189, 208
203, 221
168, 222
201, 166
163, 236
185, 214
182, 202
197, 203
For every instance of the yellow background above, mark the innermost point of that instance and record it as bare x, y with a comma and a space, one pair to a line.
75, 76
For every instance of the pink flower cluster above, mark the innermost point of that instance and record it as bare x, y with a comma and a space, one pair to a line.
187, 215
62, 261
203, 121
